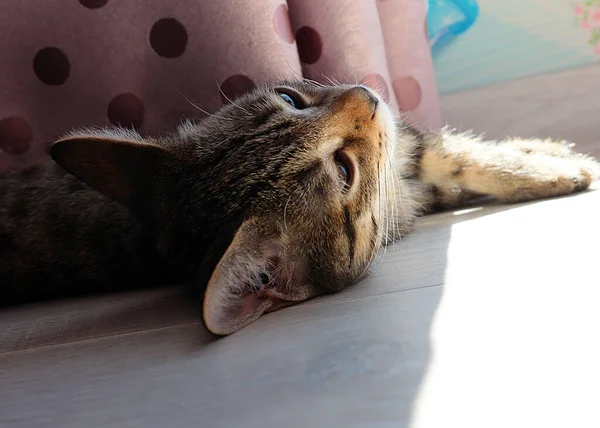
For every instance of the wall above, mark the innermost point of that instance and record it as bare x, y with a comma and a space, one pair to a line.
517, 38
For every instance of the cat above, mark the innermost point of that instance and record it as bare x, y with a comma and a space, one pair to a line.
287, 193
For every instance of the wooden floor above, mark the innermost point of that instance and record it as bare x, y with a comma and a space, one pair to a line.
486, 317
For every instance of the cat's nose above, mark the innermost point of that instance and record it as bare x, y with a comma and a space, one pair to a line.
373, 100
360, 100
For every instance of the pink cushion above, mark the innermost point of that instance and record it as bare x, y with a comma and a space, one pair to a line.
97, 62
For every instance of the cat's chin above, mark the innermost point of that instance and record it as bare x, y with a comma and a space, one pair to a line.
386, 121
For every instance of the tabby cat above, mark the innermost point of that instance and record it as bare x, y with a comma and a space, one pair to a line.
285, 194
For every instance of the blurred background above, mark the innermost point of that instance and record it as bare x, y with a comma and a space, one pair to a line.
525, 67
512, 67
509, 39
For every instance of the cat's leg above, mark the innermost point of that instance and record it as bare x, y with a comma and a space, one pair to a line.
557, 148
459, 166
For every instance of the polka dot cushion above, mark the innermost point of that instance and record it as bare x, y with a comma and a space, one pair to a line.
148, 64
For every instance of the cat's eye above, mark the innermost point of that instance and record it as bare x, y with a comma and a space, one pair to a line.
342, 166
292, 98
264, 279
289, 99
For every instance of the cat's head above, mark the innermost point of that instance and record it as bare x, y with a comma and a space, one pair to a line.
278, 197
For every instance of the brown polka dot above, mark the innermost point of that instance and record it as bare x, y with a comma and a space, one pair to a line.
93, 4
281, 22
126, 110
377, 82
408, 93
234, 86
168, 38
51, 66
309, 44
15, 135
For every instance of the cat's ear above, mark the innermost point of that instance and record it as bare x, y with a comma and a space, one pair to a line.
253, 277
124, 169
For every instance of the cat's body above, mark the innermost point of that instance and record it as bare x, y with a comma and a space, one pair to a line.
286, 194
59, 237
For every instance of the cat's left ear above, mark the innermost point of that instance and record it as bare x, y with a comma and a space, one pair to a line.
126, 170
253, 277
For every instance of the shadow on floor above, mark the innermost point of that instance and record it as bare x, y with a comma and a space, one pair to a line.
356, 359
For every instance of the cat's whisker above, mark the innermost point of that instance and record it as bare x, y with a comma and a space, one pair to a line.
386, 211
328, 79
394, 206
395, 196
397, 189
386, 170
388, 196
400, 198
250, 115
202, 110
382, 249
397, 147
332, 81
313, 82
383, 202
223, 93
379, 88
398, 115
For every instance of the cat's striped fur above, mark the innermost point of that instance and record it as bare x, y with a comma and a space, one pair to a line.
261, 205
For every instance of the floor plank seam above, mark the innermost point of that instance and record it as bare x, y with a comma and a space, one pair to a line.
96, 339
353, 299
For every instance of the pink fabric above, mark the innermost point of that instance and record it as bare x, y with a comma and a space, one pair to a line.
95, 62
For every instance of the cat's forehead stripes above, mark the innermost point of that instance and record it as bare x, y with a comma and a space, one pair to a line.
362, 235
364, 132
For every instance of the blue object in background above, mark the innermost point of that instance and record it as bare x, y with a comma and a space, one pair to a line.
446, 19
511, 39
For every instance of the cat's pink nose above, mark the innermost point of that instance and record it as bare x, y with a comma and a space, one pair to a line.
373, 100
360, 100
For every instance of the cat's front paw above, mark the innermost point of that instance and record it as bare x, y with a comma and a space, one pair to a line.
578, 173
590, 168
550, 176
